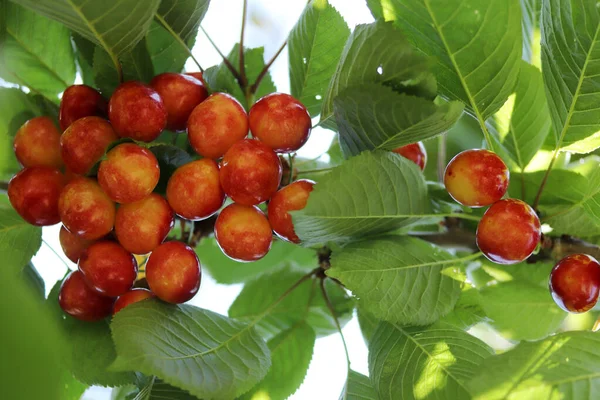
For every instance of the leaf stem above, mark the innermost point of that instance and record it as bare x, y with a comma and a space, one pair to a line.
178, 38
264, 71
538, 195
243, 77
227, 63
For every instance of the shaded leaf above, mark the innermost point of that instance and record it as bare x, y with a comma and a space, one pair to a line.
358, 387
169, 159
19, 241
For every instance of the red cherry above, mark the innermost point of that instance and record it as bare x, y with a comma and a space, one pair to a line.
133, 296
37, 143
415, 152
81, 302
72, 245
290, 198
575, 283
80, 101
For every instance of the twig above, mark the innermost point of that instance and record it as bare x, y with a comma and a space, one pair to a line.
538, 195
227, 63
264, 71
441, 159
243, 77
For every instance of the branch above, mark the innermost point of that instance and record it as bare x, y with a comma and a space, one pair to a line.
243, 79
264, 71
227, 63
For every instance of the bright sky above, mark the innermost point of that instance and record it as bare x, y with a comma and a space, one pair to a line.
269, 22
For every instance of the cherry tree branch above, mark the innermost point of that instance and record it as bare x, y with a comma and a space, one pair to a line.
227, 63
264, 71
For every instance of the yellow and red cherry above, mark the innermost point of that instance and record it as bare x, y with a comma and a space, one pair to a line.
78, 300
291, 198
131, 297
37, 143
72, 245
80, 101
415, 152
575, 283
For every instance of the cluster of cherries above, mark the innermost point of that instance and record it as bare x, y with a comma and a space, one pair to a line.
105, 196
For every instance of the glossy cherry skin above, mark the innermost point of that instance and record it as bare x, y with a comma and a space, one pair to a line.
173, 272
80, 101
575, 283
250, 172
291, 198
72, 245
508, 232
84, 142
415, 152
108, 268
34, 193
243, 232
194, 191
142, 226
37, 143
280, 121
85, 209
133, 296
476, 178
79, 301
197, 75
216, 124
137, 111
128, 173
180, 94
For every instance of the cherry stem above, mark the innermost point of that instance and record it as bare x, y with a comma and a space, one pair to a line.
4, 186
538, 195
191, 233
243, 77
178, 38
291, 162
315, 171
441, 161
265, 69
57, 255
227, 63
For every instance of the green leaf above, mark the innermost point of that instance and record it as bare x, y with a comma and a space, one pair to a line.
33, 280
358, 387
367, 322
85, 59
225, 270
424, 362
19, 241
167, 54
467, 311
570, 48
28, 60
259, 294
291, 352
521, 311
372, 117
315, 45
369, 194
531, 26
204, 353
156, 389
564, 366
398, 278
116, 25
169, 159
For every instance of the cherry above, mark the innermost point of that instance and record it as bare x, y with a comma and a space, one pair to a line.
243, 232
79, 301
415, 152
290, 198
80, 101
34, 193
85, 209
197, 75
476, 178
173, 272
194, 191
575, 283
133, 296
250, 172
137, 112
37, 143
216, 124
180, 94
129, 173
508, 232
108, 268
84, 142
142, 226
281, 122
72, 245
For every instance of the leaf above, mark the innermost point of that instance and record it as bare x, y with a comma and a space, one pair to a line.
358, 387
435, 362
183, 17
468, 310
85, 59
169, 159
531, 25
315, 45
225, 270
372, 193
259, 294
19, 241
367, 322
167, 54
155, 389
398, 278
563, 366
291, 352
28, 60
202, 352
372, 117
570, 51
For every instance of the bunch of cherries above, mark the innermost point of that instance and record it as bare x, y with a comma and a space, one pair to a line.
105, 196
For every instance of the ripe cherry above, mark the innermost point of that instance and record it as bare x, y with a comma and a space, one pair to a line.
216, 124
72, 245
85, 209
250, 172
243, 232
137, 111
197, 75
173, 272
508, 232
476, 178
575, 283
37, 143
79, 301
84, 142
108, 268
194, 191
281, 122
180, 94
142, 226
34, 193
133, 296
129, 173
290, 198
80, 101
415, 152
